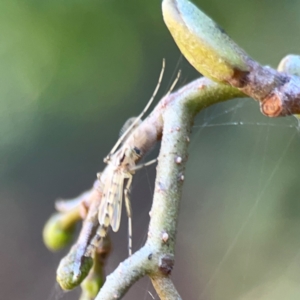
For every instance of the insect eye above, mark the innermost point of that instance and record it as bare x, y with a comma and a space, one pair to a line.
137, 151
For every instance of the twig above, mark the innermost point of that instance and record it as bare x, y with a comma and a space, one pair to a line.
171, 120
210, 50
165, 288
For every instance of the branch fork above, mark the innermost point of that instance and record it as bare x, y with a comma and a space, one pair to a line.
230, 73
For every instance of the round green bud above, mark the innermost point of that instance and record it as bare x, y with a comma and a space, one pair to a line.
70, 273
55, 235
91, 287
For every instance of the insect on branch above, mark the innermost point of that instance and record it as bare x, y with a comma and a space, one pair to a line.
100, 208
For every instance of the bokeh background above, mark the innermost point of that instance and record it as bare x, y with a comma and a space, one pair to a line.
72, 72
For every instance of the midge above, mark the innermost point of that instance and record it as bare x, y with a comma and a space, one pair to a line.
113, 184
134, 142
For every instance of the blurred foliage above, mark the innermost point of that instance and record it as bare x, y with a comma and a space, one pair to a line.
72, 72
62, 60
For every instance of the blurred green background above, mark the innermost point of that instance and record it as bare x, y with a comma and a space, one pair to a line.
72, 72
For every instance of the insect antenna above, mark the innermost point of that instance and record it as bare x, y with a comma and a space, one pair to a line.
174, 83
121, 139
138, 167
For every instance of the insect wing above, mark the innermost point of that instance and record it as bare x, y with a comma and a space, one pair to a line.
111, 204
116, 217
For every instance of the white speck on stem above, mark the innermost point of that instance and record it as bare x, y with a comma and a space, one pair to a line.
178, 160
165, 237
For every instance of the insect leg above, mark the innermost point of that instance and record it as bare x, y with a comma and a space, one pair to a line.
129, 213
138, 167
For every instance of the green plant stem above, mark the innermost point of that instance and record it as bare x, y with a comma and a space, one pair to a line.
165, 288
207, 47
172, 120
